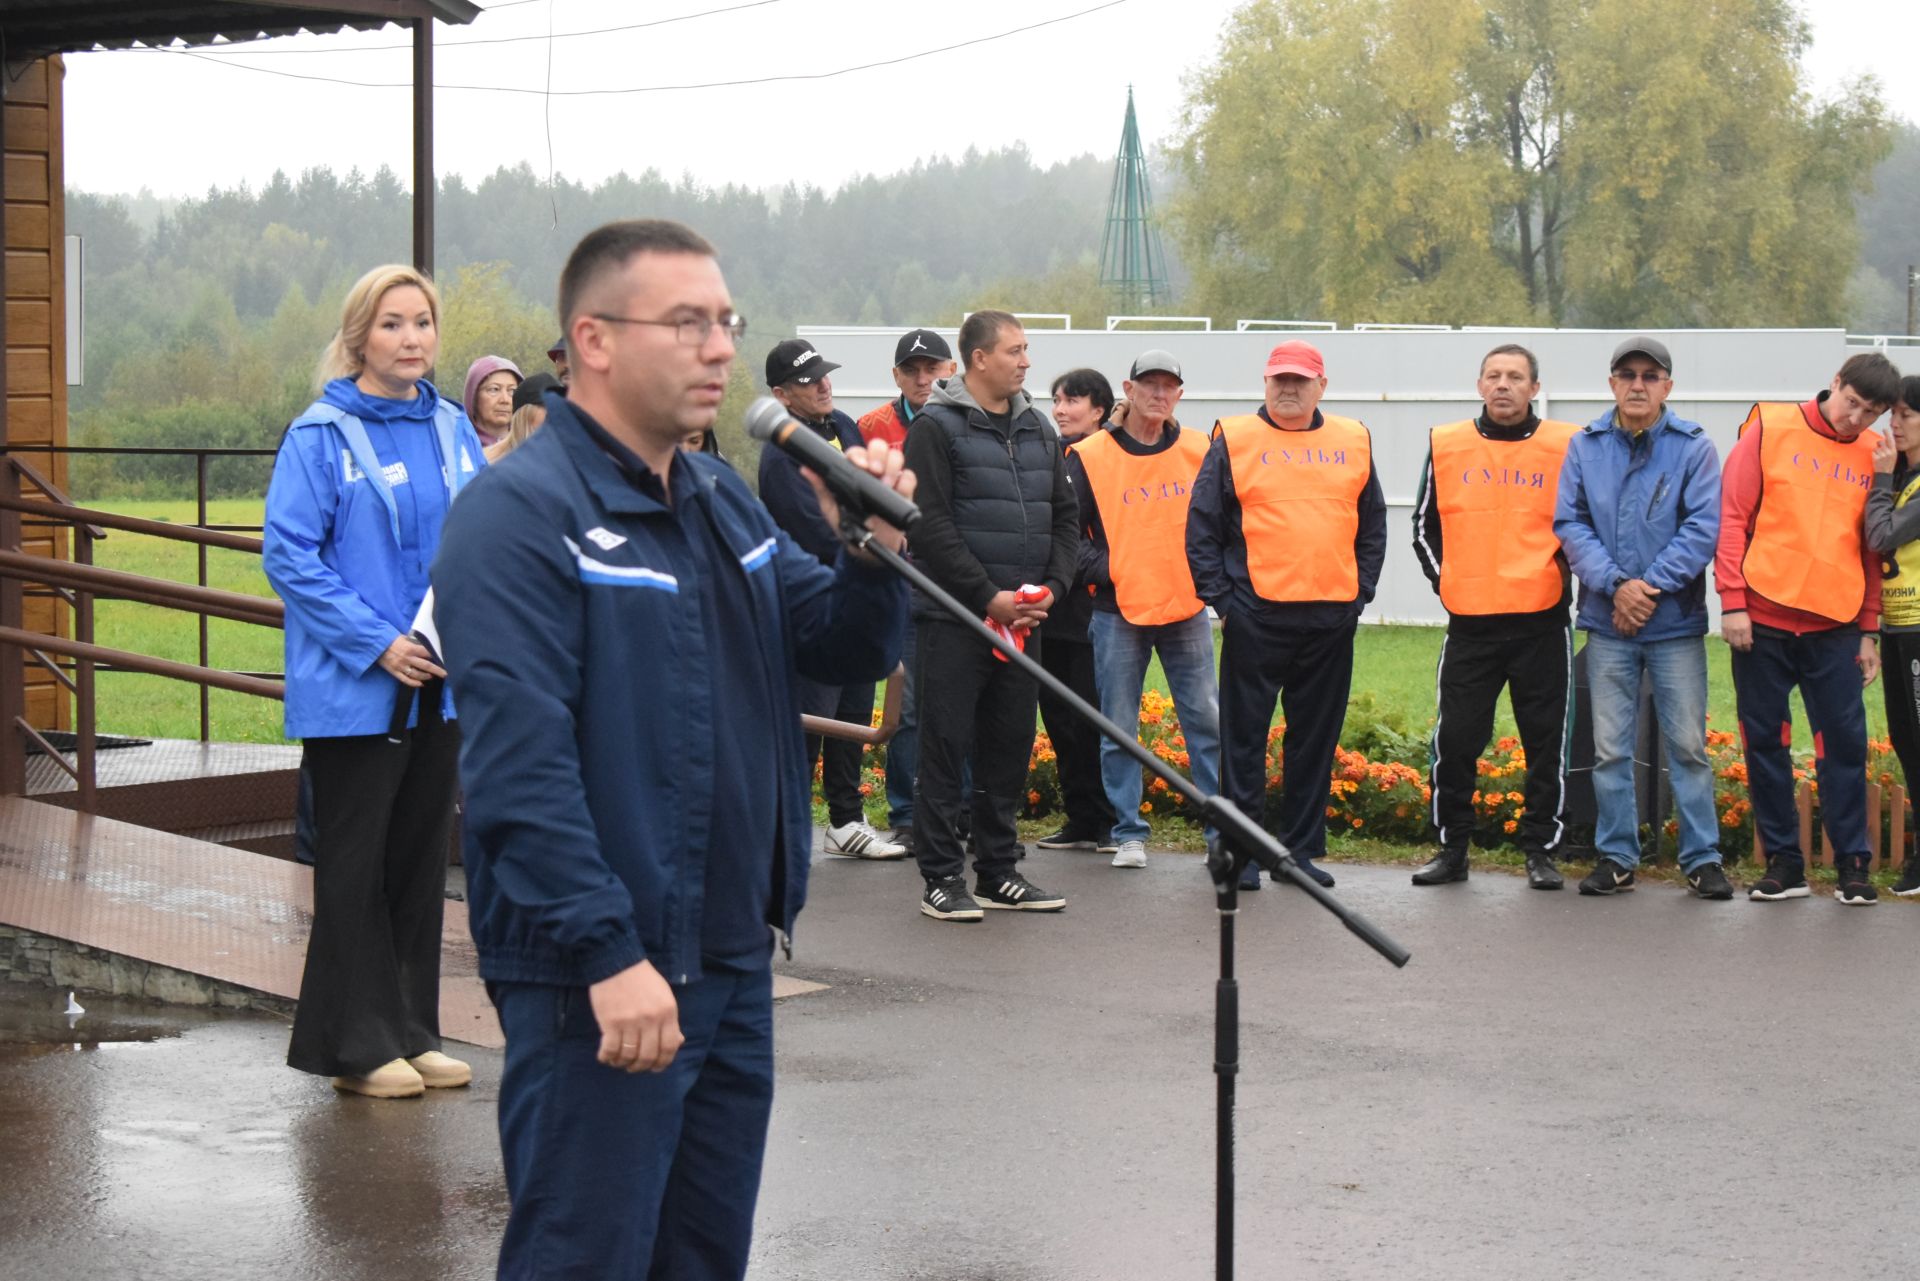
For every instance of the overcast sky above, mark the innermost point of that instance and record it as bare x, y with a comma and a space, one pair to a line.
177, 124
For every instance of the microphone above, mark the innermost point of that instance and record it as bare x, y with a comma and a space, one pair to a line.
854, 487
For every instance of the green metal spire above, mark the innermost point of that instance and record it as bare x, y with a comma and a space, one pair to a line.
1132, 263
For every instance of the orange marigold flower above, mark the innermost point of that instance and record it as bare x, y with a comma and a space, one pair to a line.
1510, 826
1146, 807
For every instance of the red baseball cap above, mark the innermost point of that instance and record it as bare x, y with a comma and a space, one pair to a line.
1296, 357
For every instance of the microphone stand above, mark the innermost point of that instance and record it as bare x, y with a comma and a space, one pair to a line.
1236, 841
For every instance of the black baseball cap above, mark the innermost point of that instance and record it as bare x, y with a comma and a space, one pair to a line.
558, 349
795, 361
920, 342
1641, 345
533, 389
1157, 362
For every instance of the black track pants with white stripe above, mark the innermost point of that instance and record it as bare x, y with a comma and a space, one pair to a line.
1537, 669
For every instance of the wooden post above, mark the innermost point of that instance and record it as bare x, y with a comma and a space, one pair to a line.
1897, 822
1803, 801
1873, 823
423, 145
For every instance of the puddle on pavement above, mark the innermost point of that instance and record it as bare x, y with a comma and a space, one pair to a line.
34, 1021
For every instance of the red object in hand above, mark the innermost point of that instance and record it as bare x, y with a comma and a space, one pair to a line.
1017, 636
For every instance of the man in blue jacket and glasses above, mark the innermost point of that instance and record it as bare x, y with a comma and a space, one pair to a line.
624, 628
1638, 515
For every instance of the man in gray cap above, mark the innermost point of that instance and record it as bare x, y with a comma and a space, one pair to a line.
1638, 514
1134, 480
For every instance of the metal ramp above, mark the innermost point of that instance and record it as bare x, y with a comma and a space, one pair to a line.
191, 906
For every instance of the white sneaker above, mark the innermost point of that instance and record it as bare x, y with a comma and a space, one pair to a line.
858, 840
1131, 854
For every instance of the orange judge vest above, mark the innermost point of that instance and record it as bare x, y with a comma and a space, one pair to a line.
1299, 494
1495, 499
1143, 501
1805, 550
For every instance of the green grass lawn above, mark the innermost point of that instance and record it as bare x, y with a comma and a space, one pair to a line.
153, 706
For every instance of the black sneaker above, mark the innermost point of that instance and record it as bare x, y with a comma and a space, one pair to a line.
1070, 838
1542, 874
1250, 877
1016, 893
1855, 888
1607, 877
1709, 880
949, 901
1909, 883
1785, 878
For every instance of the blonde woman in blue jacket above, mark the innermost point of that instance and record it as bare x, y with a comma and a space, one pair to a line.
359, 495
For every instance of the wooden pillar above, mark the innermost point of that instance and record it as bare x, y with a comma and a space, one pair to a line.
423, 145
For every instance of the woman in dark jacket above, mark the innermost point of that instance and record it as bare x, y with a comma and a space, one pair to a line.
360, 491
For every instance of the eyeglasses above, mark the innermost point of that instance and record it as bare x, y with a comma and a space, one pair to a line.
692, 331
1648, 376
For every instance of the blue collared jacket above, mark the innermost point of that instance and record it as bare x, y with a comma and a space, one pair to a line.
569, 612
1645, 507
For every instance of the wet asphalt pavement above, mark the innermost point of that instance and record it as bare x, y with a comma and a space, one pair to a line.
1647, 1086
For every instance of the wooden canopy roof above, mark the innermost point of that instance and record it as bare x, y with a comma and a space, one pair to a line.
35, 28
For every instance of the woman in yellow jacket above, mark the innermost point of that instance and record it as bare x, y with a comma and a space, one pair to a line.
1893, 530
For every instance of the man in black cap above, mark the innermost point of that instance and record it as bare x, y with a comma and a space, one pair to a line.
798, 377
558, 355
920, 359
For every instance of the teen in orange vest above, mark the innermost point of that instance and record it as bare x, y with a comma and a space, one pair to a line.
1286, 534
921, 358
1483, 530
1134, 481
1800, 601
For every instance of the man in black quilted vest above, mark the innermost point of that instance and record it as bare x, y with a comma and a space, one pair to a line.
997, 515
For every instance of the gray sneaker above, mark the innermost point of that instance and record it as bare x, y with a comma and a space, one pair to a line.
1131, 854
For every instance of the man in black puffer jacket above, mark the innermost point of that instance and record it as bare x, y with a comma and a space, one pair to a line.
996, 514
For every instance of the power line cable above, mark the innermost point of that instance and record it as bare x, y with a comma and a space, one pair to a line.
674, 88
239, 46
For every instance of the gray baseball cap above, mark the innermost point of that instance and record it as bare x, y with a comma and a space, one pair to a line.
1157, 362
1641, 345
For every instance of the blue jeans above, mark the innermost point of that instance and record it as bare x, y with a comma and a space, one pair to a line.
640, 1177
1678, 668
1121, 652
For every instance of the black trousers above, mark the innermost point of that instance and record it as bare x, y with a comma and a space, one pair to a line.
1900, 678
1076, 744
1309, 672
384, 813
840, 757
1537, 672
973, 707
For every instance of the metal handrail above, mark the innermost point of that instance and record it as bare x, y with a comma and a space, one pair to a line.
105, 520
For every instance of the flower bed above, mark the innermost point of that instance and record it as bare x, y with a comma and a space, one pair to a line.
1387, 798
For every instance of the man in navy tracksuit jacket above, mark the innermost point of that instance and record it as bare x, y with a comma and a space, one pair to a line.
623, 624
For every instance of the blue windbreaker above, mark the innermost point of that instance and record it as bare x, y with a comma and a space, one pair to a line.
1646, 508
569, 606
359, 494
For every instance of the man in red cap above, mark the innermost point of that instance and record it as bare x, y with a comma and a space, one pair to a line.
1286, 534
